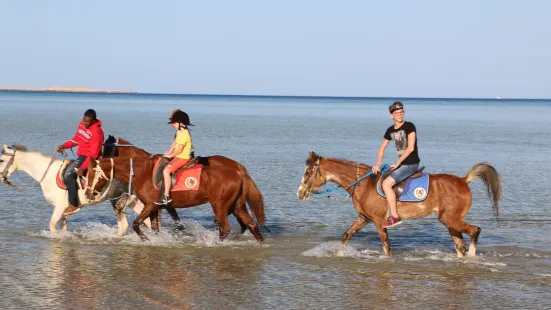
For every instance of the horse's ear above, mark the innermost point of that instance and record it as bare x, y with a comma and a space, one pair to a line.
5, 148
313, 157
93, 162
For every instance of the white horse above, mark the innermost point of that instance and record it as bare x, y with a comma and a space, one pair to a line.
43, 170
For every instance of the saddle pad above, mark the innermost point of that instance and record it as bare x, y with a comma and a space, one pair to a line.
415, 190
188, 179
59, 177
82, 181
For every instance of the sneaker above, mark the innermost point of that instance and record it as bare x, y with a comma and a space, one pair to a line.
163, 201
392, 221
71, 210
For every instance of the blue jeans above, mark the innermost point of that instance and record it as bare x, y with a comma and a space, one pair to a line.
403, 172
70, 179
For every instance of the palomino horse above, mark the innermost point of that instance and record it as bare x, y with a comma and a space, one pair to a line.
41, 168
222, 187
122, 148
449, 196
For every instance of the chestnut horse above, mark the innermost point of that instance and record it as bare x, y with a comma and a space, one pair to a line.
222, 187
449, 196
120, 147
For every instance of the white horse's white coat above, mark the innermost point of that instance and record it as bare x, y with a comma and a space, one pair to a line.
36, 163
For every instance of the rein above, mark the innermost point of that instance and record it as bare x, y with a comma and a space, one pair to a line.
63, 153
384, 168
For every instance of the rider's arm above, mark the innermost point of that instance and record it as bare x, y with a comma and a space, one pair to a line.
177, 150
72, 142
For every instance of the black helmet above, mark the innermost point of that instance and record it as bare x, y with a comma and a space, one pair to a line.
180, 117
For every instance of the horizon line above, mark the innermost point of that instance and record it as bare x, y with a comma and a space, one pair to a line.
272, 96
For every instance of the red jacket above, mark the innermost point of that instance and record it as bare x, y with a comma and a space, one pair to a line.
89, 141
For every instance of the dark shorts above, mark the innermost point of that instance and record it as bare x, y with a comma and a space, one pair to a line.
403, 172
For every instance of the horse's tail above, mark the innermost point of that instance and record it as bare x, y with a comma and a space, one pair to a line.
254, 199
491, 179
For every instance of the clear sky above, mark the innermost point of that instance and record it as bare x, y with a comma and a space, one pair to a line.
483, 48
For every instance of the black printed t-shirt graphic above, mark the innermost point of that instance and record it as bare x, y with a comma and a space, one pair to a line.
400, 138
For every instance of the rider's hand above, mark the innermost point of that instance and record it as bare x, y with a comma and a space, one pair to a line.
375, 169
394, 166
167, 155
60, 148
80, 171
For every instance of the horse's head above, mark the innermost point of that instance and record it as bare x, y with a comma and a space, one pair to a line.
110, 147
97, 179
312, 179
8, 162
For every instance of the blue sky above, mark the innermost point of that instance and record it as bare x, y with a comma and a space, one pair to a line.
326, 48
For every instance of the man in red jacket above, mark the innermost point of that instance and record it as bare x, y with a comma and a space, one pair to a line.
89, 138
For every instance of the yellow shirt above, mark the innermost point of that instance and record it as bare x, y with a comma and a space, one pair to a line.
184, 138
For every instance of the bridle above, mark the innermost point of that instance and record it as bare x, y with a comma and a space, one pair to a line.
4, 174
312, 177
99, 174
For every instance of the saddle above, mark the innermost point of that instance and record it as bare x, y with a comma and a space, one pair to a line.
81, 180
186, 178
413, 189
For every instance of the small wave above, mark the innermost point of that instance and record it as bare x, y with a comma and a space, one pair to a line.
335, 249
194, 235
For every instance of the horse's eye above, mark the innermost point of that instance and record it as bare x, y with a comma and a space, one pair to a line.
1, 160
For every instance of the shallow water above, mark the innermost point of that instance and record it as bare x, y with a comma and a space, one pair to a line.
301, 263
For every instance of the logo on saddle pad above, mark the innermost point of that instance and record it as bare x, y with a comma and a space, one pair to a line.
191, 182
414, 190
420, 193
185, 179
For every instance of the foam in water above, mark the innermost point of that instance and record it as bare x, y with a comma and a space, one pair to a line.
335, 249
195, 235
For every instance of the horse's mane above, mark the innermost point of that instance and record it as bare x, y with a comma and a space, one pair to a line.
124, 142
20, 147
349, 162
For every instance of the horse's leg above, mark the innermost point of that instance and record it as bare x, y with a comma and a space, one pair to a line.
143, 215
63, 223
459, 242
175, 218
460, 226
138, 208
383, 234
358, 224
221, 220
155, 221
244, 217
243, 226
57, 215
122, 223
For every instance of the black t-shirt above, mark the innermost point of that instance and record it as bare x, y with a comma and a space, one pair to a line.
400, 138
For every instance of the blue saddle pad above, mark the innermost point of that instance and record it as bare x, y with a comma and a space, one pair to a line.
415, 190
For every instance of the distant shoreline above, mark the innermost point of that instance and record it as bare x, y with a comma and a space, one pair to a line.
275, 97
67, 90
